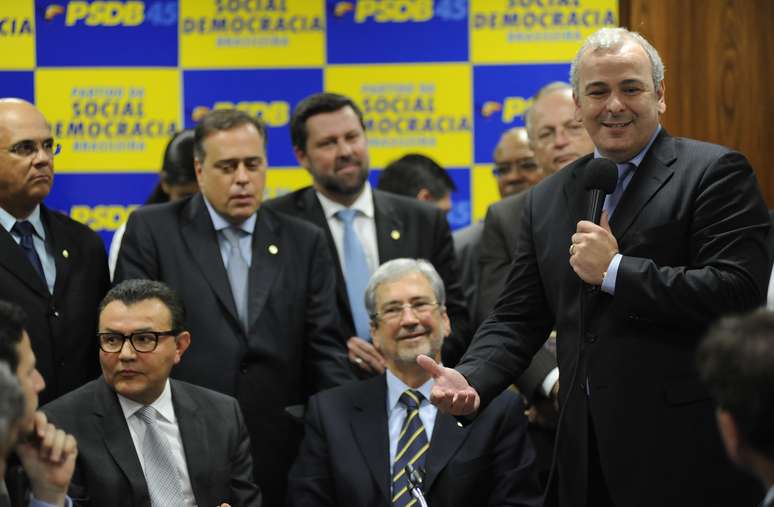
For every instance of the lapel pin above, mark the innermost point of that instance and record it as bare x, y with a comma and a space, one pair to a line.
65, 254
273, 249
395, 234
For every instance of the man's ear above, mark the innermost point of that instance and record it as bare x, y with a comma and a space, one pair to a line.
732, 439
182, 342
301, 157
424, 195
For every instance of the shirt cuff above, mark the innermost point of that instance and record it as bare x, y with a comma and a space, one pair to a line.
608, 283
34, 502
549, 382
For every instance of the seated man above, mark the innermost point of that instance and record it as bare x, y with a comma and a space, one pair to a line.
11, 412
736, 361
360, 436
40, 468
145, 439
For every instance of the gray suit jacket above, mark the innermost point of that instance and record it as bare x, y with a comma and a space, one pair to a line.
467, 242
108, 472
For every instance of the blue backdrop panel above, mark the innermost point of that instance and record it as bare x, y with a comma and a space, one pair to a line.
19, 84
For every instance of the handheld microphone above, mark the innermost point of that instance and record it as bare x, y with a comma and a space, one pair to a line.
415, 484
600, 178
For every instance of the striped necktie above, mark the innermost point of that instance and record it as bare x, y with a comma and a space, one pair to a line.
160, 473
412, 448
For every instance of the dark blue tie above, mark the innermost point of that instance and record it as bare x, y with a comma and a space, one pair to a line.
412, 448
25, 231
612, 199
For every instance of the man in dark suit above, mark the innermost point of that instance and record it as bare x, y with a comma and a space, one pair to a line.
629, 298
145, 440
359, 437
258, 289
368, 225
43, 456
51, 266
736, 362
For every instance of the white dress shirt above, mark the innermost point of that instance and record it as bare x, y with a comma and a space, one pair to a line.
166, 421
364, 224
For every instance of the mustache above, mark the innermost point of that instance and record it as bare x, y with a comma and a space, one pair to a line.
342, 162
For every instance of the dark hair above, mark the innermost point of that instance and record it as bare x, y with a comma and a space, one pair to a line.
130, 292
736, 361
413, 172
178, 165
224, 119
312, 105
12, 321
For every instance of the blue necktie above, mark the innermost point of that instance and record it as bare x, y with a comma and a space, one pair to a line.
412, 448
356, 273
25, 231
611, 202
238, 273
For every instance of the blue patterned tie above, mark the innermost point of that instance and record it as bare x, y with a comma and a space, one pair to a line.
238, 273
356, 273
25, 231
412, 448
611, 202
160, 473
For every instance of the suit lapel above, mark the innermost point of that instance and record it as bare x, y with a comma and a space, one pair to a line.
310, 209
13, 259
62, 248
389, 229
369, 426
447, 438
118, 439
654, 171
202, 242
266, 263
195, 444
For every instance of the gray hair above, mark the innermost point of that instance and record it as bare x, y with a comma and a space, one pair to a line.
11, 406
396, 269
611, 39
545, 90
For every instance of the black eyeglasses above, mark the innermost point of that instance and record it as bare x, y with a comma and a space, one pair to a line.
28, 147
526, 166
142, 341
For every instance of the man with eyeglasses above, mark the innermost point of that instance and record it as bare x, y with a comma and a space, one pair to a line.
52, 266
258, 288
146, 440
360, 437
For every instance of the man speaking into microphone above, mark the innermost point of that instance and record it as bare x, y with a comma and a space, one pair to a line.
680, 242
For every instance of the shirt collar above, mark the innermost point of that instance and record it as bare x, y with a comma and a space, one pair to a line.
162, 405
364, 203
220, 223
396, 387
8, 220
637, 159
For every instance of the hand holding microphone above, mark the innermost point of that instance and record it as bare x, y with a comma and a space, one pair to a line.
593, 244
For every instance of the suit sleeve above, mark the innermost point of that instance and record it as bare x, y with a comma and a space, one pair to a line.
326, 360
513, 480
445, 263
726, 262
244, 491
138, 256
310, 482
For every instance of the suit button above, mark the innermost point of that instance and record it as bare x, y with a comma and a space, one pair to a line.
55, 312
591, 338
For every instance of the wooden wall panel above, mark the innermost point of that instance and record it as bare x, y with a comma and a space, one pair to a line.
719, 58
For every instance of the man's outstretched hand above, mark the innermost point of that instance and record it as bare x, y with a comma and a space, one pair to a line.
451, 393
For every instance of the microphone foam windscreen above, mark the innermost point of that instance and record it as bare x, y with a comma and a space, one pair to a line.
601, 174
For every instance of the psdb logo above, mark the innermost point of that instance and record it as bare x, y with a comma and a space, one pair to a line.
107, 33
397, 31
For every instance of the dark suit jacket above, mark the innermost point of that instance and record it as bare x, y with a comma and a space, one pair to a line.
344, 459
423, 232
691, 227
467, 242
498, 244
108, 472
293, 347
61, 326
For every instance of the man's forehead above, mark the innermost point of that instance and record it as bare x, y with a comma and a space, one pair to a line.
333, 121
150, 310
413, 285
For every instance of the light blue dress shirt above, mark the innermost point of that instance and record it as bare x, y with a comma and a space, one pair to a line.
245, 242
42, 247
608, 283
